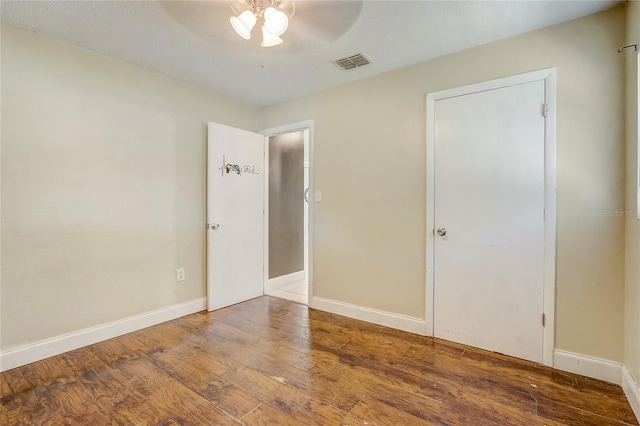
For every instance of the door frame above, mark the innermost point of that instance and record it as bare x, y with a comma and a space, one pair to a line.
547, 75
274, 131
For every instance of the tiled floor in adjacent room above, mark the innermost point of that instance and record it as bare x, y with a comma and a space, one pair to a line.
295, 292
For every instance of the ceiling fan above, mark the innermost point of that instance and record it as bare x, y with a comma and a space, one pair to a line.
274, 15
316, 22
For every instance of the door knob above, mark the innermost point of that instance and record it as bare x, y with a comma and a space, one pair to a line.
441, 232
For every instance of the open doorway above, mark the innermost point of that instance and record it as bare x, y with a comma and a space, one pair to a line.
287, 214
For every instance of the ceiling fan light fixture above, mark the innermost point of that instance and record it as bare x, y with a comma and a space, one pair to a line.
276, 21
273, 16
244, 23
269, 39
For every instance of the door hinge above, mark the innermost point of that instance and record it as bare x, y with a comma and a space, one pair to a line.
544, 320
544, 215
545, 110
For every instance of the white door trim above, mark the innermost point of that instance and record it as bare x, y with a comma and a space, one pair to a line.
549, 77
274, 131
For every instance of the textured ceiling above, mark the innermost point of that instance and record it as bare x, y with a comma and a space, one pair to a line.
193, 41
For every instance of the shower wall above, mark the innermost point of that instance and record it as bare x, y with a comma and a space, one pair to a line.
286, 208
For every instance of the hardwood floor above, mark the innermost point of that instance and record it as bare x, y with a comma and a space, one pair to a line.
273, 362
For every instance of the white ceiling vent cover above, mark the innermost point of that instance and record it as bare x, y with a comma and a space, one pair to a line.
353, 61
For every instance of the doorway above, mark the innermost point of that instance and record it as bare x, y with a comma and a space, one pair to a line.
287, 212
491, 215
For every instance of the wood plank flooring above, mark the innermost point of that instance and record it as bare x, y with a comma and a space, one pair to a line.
273, 362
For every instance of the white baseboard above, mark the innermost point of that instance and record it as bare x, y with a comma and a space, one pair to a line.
596, 368
632, 391
284, 280
47, 348
602, 369
387, 319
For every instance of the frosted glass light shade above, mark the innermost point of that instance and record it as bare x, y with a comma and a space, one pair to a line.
269, 39
244, 23
276, 21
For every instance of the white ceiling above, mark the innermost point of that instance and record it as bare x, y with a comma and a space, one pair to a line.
194, 42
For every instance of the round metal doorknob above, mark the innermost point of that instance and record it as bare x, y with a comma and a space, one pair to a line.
441, 232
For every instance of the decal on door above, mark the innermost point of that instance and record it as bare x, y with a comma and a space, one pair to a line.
232, 168
227, 168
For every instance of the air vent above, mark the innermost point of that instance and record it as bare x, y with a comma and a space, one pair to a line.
353, 61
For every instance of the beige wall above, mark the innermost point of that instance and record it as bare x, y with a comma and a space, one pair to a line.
369, 158
632, 295
103, 184
103, 187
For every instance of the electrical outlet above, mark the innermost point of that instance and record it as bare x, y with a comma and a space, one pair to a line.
180, 274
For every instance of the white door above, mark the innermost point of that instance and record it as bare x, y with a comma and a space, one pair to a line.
235, 215
489, 208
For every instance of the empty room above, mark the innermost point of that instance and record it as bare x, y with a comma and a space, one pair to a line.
349, 212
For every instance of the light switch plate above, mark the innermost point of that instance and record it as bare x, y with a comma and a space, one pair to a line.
180, 274
317, 196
